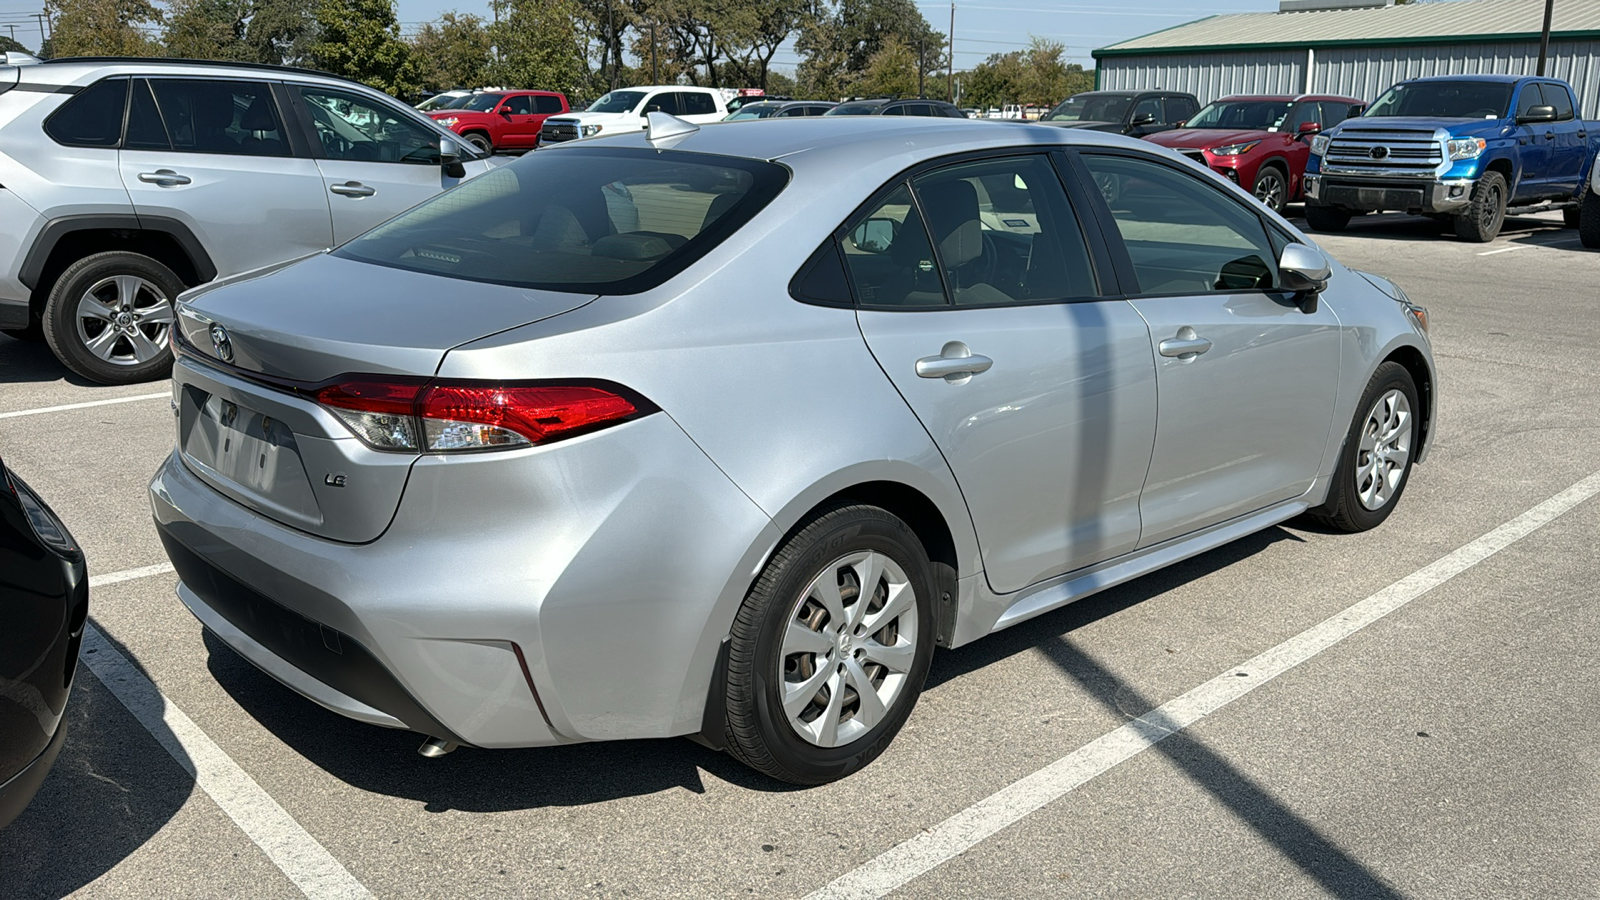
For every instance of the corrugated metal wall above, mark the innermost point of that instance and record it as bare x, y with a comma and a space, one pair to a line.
1354, 71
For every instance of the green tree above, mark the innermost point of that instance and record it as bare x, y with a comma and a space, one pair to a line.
892, 70
209, 29
539, 46
7, 45
824, 70
360, 39
773, 23
103, 27
282, 32
452, 53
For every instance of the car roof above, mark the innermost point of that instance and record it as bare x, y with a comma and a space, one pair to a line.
672, 87
1499, 79
67, 70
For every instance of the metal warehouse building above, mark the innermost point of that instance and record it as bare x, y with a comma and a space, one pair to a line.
1359, 52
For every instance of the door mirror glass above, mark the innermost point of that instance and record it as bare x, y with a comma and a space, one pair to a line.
874, 235
1303, 269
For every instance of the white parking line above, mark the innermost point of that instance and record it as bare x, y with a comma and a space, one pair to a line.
85, 405
294, 851
1506, 249
964, 830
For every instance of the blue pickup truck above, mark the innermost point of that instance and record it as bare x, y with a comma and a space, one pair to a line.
1467, 149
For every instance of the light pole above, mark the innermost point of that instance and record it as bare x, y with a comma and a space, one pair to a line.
1544, 34
950, 64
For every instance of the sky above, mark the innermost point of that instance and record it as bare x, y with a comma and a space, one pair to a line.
982, 26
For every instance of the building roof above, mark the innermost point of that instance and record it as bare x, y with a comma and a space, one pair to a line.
1461, 21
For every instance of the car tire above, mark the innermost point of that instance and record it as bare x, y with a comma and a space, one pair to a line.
110, 317
1370, 479
1326, 218
481, 141
1589, 221
785, 641
1272, 188
1481, 221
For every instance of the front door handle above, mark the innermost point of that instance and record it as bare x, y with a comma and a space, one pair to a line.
1187, 345
352, 189
955, 362
163, 177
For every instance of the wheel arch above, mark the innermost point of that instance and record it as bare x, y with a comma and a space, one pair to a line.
68, 239
1422, 375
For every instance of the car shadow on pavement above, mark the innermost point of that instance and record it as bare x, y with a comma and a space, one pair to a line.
111, 790
31, 362
1402, 227
385, 761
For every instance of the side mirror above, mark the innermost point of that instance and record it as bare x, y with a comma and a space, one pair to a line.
1303, 270
1307, 129
1143, 119
450, 159
1180, 124
504, 111
1537, 114
874, 235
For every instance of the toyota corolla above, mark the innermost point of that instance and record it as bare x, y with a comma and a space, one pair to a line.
722, 432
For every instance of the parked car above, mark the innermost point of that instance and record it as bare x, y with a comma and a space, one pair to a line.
444, 100
1259, 142
778, 109
44, 603
487, 496
624, 111
1135, 113
128, 181
1468, 149
502, 120
1589, 212
881, 106
745, 97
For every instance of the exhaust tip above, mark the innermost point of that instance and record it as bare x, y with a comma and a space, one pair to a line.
433, 747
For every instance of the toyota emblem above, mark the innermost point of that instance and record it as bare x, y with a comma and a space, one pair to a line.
221, 343
1380, 152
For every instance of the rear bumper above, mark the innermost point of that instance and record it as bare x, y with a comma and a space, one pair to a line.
18, 791
1358, 194
523, 598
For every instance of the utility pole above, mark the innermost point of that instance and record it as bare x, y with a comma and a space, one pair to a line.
1544, 35
655, 73
922, 54
950, 64
611, 39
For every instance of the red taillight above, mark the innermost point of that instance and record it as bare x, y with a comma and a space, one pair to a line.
408, 414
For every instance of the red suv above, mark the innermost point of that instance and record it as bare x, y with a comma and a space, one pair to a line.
503, 120
1259, 142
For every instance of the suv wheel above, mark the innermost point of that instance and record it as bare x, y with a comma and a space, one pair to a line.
110, 317
481, 141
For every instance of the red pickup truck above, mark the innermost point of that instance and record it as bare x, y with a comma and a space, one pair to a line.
503, 120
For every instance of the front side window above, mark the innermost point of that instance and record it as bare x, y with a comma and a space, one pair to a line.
580, 219
520, 106
1091, 108
1530, 97
235, 118
666, 102
1183, 235
1444, 99
92, 117
1149, 106
352, 127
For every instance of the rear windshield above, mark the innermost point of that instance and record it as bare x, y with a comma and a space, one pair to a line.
579, 219
1445, 99
1091, 108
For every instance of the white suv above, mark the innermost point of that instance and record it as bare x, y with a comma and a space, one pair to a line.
622, 111
124, 182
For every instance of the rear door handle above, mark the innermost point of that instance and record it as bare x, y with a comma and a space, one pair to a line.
352, 189
163, 177
1187, 345
954, 362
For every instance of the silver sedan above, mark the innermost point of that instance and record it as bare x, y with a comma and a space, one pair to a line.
720, 432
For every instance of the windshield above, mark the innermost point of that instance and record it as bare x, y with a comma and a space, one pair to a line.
480, 102
441, 101
1091, 108
1256, 115
617, 102
579, 219
1445, 99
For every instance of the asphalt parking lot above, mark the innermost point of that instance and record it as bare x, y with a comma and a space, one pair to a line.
1438, 739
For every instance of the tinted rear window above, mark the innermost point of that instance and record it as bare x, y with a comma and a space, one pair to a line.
584, 219
93, 117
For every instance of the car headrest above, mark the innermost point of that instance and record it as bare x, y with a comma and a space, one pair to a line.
259, 116
952, 211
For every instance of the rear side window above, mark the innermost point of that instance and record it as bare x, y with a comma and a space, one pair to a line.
580, 219
696, 104
92, 117
545, 105
1183, 235
237, 118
